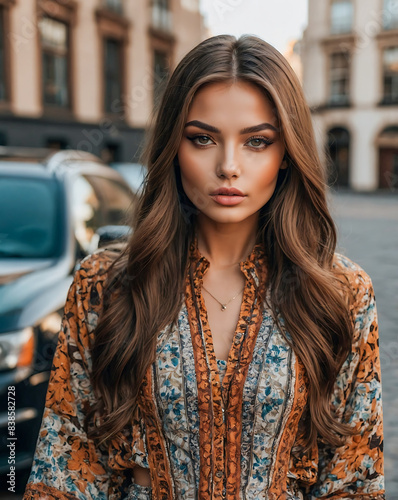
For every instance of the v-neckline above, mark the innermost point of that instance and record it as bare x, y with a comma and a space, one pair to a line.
220, 423
248, 303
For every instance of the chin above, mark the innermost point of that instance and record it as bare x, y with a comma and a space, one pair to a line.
228, 218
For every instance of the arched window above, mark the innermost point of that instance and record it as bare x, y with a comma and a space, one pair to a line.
339, 149
388, 158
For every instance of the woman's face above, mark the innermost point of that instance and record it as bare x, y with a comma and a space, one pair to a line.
230, 141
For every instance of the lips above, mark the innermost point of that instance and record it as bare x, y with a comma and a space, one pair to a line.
224, 191
227, 196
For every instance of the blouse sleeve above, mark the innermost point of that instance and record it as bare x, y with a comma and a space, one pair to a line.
67, 464
355, 469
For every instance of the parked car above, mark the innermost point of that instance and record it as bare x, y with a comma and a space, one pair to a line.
133, 173
52, 214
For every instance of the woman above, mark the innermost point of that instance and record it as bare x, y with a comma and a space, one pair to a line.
228, 351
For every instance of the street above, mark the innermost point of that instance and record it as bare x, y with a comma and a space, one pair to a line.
368, 235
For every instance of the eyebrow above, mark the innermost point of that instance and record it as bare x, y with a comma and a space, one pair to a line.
247, 130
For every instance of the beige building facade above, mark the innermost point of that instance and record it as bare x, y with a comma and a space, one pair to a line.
85, 74
350, 76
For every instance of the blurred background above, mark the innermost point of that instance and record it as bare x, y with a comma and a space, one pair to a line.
79, 80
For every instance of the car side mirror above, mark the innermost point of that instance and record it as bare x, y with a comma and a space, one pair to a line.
110, 234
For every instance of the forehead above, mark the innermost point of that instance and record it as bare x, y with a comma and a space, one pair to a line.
237, 101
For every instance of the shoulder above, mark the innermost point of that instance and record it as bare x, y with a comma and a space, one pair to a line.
359, 280
362, 303
350, 268
89, 285
96, 265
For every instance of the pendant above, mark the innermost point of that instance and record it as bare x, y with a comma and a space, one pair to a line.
223, 307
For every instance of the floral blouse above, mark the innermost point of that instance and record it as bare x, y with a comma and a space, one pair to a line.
206, 428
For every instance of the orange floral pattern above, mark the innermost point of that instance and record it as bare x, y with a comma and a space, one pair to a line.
200, 436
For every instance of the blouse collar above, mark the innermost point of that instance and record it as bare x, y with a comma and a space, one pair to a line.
253, 267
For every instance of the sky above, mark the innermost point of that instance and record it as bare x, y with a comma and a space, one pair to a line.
276, 21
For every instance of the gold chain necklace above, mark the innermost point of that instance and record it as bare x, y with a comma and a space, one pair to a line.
223, 305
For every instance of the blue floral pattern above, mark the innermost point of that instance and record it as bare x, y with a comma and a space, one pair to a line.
68, 466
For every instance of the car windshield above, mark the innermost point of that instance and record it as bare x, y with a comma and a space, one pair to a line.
28, 222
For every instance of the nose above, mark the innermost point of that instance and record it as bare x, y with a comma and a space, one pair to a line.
228, 166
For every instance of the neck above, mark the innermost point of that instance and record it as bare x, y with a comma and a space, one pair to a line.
225, 245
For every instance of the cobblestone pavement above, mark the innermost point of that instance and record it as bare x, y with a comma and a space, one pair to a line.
368, 234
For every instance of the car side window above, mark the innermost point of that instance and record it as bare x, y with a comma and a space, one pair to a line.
86, 209
116, 198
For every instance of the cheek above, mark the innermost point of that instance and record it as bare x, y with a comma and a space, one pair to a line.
192, 173
182, 153
267, 172
194, 185
190, 177
267, 177
185, 161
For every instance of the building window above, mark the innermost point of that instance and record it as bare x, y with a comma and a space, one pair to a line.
3, 84
111, 153
56, 144
114, 5
388, 158
339, 79
339, 148
390, 75
55, 60
342, 12
390, 14
161, 15
161, 73
113, 74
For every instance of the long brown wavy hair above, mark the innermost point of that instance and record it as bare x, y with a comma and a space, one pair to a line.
145, 287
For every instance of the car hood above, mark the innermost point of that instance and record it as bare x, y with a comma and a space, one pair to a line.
22, 284
12, 270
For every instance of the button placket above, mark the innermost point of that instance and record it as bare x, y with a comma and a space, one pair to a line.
222, 417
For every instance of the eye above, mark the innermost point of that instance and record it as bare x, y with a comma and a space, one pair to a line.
200, 140
259, 142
